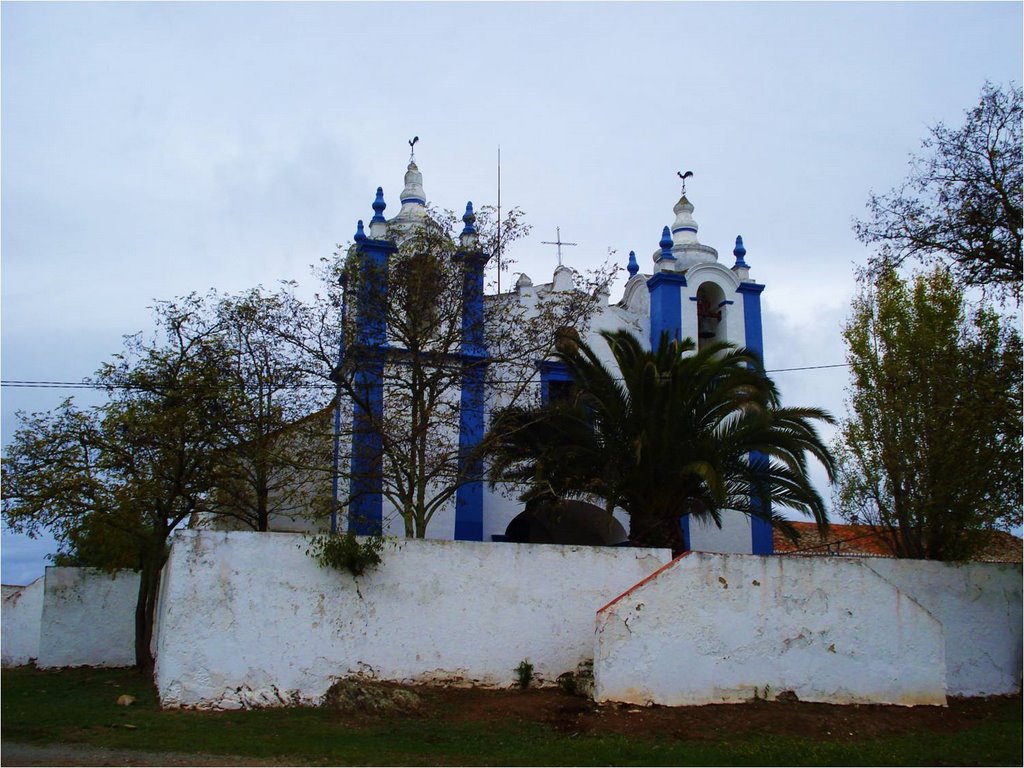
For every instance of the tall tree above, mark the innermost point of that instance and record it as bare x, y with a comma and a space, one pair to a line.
961, 201
930, 456
668, 432
276, 458
133, 469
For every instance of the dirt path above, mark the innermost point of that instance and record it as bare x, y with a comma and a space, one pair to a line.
73, 754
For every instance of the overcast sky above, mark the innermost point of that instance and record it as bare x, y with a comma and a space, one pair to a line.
149, 150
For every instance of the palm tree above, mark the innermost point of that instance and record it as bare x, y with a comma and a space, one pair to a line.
674, 431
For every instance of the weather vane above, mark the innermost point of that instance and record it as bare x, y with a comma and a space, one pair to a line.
412, 148
684, 177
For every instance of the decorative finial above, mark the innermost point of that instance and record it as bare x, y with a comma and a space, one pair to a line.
378, 207
632, 267
412, 148
739, 252
666, 244
360, 236
470, 220
684, 177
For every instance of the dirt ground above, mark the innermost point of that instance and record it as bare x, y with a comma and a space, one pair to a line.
826, 721
572, 715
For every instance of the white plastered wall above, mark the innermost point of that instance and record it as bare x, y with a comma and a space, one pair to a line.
19, 623
88, 618
716, 628
250, 619
979, 605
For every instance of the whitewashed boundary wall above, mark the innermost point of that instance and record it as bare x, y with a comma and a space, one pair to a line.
250, 619
88, 618
19, 623
715, 628
979, 606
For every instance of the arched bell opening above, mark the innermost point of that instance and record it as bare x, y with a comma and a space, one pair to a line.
711, 315
566, 522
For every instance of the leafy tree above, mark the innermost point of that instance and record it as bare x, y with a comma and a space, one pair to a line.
276, 458
53, 476
131, 470
961, 202
419, 302
96, 544
670, 432
930, 456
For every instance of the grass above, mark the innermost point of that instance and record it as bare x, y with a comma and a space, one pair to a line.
79, 707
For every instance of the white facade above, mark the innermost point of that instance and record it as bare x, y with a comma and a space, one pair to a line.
686, 293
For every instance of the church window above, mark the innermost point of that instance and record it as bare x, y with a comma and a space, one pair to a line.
555, 382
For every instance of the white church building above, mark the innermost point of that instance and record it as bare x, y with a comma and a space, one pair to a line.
687, 292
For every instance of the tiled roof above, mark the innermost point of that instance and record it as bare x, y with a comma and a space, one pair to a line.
861, 541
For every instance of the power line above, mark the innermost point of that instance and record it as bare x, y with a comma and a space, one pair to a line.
51, 384
808, 368
32, 384
26, 384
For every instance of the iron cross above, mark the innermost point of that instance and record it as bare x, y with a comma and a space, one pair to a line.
558, 242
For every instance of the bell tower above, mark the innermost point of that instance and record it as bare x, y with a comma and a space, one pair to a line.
693, 295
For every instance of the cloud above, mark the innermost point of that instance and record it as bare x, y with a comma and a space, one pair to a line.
24, 559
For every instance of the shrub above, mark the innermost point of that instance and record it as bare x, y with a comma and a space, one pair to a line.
346, 551
524, 674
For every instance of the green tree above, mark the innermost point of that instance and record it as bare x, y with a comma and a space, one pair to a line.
96, 544
961, 201
930, 456
276, 423
131, 470
670, 432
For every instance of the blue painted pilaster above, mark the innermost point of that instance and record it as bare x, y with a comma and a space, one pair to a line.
751, 293
469, 498
666, 290
760, 531
365, 512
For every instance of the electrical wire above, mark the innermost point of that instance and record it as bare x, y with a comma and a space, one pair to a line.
33, 384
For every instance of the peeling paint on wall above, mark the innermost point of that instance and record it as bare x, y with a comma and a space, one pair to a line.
729, 628
979, 606
456, 613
